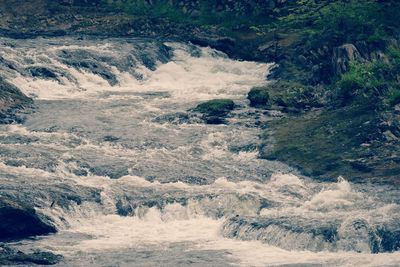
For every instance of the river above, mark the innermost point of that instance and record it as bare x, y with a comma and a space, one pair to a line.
112, 154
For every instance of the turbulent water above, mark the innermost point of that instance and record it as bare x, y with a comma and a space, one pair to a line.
111, 155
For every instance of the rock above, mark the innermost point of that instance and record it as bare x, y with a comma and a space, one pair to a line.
291, 96
215, 111
342, 56
258, 97
224, 44
21, 221
9, 256
11, 99
174, 118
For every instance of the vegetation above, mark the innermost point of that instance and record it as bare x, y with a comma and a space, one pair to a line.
206, 13
371, 83
258, 97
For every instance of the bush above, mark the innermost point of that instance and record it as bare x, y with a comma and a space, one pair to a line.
258, 97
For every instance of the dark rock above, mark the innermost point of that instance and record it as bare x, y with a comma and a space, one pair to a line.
214, 120
21, 221
258, 97
110, 138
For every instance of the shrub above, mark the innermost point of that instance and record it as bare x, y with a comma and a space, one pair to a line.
258, 96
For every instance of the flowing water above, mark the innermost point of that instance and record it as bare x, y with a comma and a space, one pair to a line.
112, 156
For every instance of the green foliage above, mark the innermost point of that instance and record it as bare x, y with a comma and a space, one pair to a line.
370, 82
360, 81
394, 97
337, 22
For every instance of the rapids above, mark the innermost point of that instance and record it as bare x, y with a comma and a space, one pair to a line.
129, 177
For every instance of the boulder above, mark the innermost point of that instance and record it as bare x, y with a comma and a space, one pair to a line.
21, 221
342, 56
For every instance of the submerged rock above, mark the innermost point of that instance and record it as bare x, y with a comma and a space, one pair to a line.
21, 221
9, 256
216, 110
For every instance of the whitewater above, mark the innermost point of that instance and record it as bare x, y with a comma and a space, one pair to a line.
113, 154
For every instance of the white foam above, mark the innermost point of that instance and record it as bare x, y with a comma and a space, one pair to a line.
185, 77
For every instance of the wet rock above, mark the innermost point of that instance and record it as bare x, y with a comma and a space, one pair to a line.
86, 61
258, 97
215, 111
9, 256
278, 231
20, 221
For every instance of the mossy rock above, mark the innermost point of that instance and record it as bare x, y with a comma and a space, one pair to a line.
216, 107
258, 97
288, 95
215, 111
